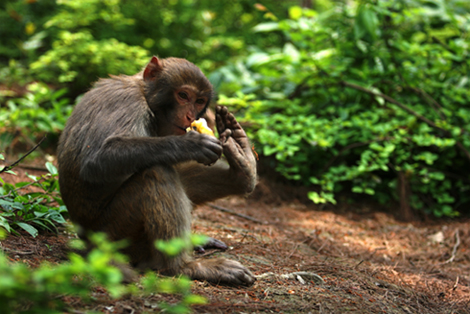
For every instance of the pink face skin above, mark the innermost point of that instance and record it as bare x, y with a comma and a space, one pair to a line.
190, 104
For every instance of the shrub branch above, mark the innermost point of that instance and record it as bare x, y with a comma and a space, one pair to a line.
407, 109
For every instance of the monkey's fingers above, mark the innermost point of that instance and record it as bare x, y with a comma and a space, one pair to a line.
220, 113
225, 135
203, 148
227, 121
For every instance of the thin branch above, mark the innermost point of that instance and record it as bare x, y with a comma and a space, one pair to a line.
28, 167
434, 104
443, 44
351, 146
23, 157
454, 250
225, 210
392, 101
298, 89
18, 252
407, 109
456, 284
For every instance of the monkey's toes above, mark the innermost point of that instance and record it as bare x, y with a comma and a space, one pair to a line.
211, 244
236, 274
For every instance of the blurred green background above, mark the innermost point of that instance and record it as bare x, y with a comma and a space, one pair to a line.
358, 100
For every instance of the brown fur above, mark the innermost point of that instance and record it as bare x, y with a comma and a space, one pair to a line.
120, 175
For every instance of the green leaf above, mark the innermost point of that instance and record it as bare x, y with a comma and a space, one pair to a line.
4, 223
366, 23
295, 12
357, 189
52, 169
199, 239
266, 27
194, 299
28, 228
172, 247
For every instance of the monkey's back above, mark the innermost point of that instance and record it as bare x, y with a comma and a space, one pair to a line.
114, 106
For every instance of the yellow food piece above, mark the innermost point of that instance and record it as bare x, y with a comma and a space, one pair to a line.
200, 126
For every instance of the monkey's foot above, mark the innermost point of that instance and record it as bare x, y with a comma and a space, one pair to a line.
211, 244
220, 271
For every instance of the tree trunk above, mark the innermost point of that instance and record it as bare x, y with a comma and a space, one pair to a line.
406, 213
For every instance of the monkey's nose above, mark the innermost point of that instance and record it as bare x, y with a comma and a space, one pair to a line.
190, 117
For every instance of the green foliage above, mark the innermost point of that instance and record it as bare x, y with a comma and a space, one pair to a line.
14, 73
182, 286
218, 30
32, 211
175, 246
360, 93
40, 290
75, 42
77, 56
20, 25
40, 111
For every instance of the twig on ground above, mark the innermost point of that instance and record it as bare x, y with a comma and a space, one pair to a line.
293, 251
357, 265
301, 276
225, 210
18, 252
454, 250
456, 284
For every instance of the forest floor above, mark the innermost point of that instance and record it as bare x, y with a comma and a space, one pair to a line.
342, 259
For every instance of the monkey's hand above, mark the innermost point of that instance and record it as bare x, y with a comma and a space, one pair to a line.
204, 149
237, 149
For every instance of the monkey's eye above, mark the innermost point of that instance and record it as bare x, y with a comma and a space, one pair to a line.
183, 95
200, 101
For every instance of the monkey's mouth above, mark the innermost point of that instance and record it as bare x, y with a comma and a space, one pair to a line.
181, 128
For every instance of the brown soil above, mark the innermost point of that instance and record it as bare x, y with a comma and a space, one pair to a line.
369, 261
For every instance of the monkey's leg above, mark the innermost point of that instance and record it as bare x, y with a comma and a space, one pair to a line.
152, 206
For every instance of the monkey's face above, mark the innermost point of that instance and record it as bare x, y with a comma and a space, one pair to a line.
177, 92
189, 104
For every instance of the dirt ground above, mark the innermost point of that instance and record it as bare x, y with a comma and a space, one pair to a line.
344, 259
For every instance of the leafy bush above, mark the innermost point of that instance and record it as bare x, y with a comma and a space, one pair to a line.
39, 290
34, 210
39, 112
36, 290
78, 41
21, 23
77, 56
368, 97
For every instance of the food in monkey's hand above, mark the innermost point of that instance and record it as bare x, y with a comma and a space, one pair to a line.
200, 126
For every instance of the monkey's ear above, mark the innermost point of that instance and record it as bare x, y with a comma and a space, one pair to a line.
152, 69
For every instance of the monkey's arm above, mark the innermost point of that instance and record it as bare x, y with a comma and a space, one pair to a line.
235, 176
121, 156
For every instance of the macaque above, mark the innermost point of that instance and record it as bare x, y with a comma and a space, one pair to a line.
129, 168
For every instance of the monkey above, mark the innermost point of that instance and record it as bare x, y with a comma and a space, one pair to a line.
127, 166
